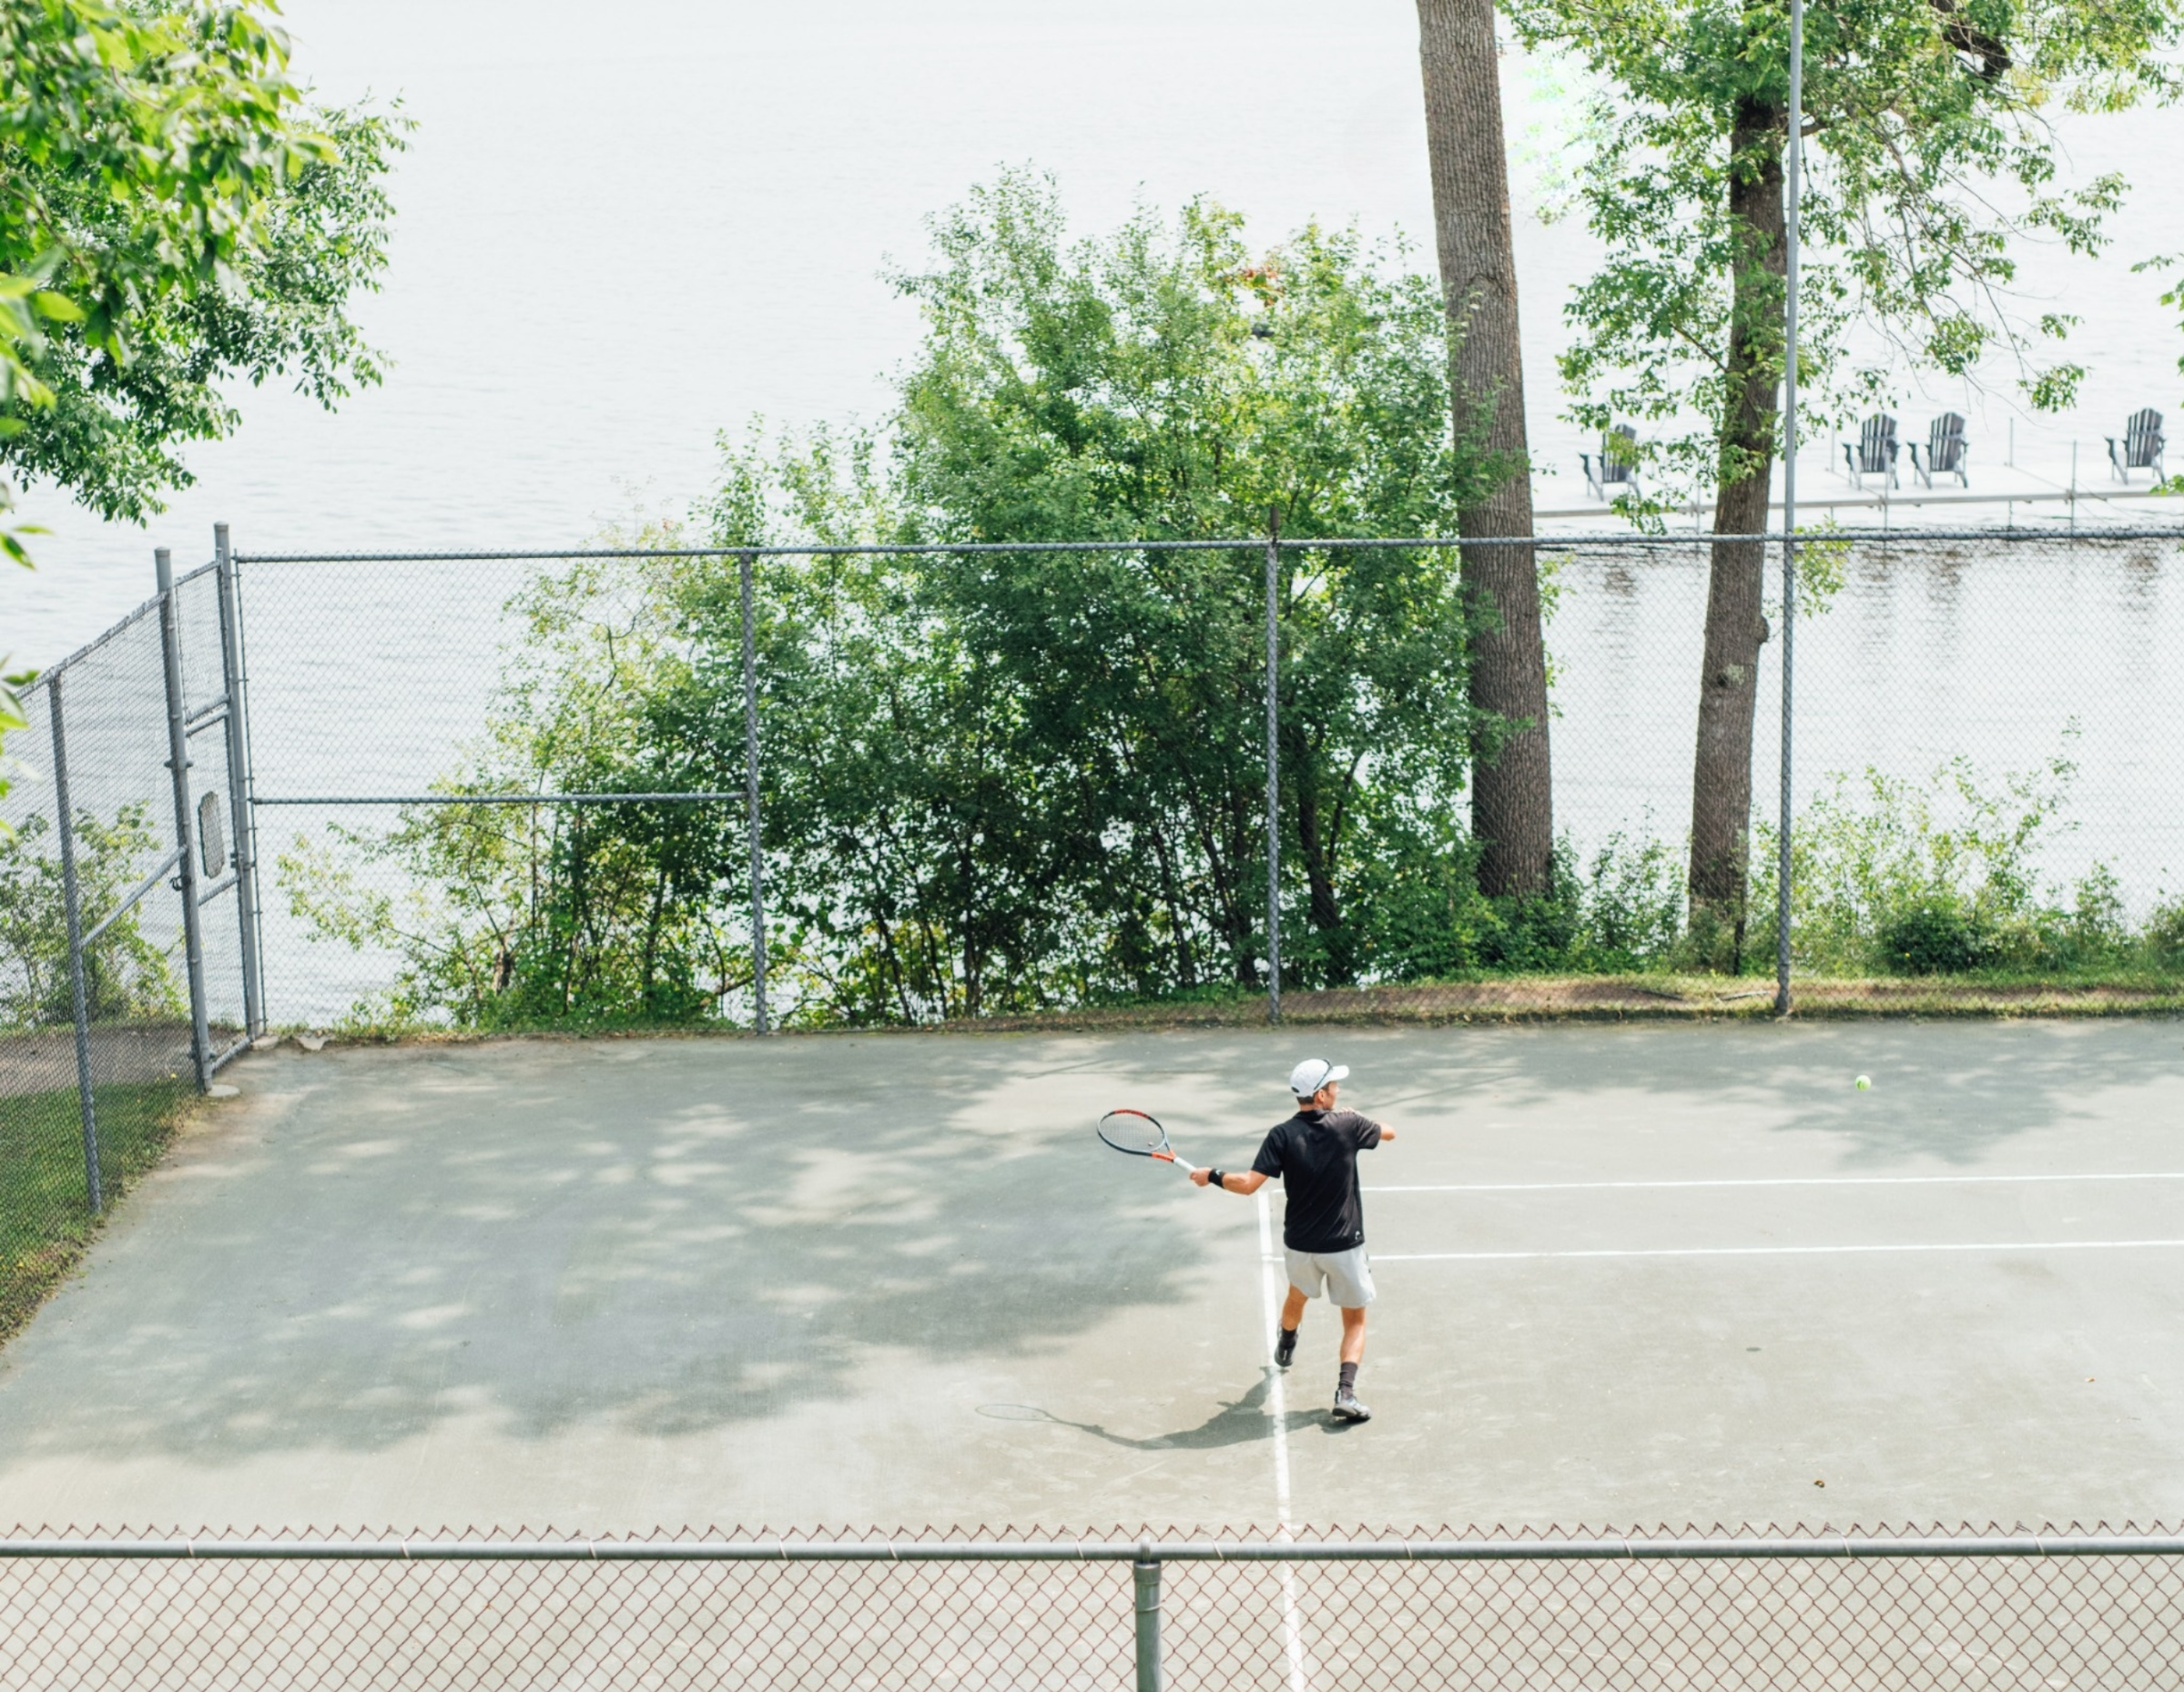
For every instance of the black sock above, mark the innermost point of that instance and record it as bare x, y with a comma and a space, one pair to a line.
1289, 1334
1349, 1378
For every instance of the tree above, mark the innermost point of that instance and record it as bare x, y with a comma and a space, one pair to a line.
1930, 162
111, 431
1512, 794
998, 781
1172, 386
173, 213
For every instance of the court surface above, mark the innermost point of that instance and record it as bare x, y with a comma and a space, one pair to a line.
1627, 1276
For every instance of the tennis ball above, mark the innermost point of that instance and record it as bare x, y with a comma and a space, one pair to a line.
1863, 1082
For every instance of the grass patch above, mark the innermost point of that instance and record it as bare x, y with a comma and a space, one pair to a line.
45, 1221
1513, 997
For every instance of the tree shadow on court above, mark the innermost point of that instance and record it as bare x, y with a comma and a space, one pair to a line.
1246, 1422
659, 1237
1953, 1091
663, 1238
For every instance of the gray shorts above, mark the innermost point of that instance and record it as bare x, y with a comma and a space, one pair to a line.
1345, 1276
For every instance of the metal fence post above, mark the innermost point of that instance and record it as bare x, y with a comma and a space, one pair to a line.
747, 561
1145, 1571
1796, 160
238, 785
177, 762
72, 903
1273, 766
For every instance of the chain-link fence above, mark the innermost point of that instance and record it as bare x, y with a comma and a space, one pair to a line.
1754, 1610
1005, 781
123, 978
904, 784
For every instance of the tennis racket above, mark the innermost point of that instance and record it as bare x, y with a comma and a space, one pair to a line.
1142, 1136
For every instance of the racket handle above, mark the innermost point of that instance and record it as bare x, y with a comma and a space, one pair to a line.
1188, 1168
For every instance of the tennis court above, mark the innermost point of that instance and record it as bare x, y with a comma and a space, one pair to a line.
1628, 1274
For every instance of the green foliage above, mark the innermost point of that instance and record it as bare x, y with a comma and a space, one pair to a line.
1930, 164
515, 916
1164, 383
1941, 876
124, 389
173, 215
126, 974
11, 717
1933, 934
1004, 780
2165, 936
1632, 906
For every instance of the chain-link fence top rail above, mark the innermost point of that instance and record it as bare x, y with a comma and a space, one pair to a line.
2014, 652
955, 1610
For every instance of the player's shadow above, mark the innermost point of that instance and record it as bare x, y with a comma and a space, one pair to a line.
1243, 1422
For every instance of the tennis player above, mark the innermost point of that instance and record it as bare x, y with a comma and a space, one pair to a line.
1313, 1155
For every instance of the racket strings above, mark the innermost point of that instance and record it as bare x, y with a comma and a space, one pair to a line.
1133, 1131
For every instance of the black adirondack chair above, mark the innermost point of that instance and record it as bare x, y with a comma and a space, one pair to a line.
1874, 454
1616, 465
2141, 448
1945, 451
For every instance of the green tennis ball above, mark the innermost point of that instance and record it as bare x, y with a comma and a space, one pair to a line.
1863, 1082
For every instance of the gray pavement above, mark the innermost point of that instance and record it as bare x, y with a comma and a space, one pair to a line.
892, 1280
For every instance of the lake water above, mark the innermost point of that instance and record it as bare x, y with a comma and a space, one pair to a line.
617, 239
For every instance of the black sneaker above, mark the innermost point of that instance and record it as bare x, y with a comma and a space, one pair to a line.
1347, 1408
1285, 1349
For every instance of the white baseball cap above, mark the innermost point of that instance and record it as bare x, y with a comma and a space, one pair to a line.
1315, 1073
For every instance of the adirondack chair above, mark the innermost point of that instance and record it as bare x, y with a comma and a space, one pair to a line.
1874, 455
2141, 448
1945, 451
1616, 465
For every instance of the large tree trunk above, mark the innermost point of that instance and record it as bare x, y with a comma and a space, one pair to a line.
1735, 627
1512, 805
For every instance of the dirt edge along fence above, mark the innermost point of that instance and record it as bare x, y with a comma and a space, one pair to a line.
1751, 1609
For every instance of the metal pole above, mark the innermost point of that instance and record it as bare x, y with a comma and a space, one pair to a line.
178, 763
1781, 866
1274, 765
1145, 1570
238, 784
750, 781
72, 905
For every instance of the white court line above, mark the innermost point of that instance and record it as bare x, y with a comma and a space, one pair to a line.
1272, 1276
1270, 1301
1779, 1250
1782, 1180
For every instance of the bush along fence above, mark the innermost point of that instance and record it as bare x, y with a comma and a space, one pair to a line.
860, 784
1806, 1610
846, 781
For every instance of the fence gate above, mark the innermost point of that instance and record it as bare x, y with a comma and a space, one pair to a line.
128, 883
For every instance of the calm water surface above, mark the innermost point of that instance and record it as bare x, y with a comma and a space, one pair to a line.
616, 240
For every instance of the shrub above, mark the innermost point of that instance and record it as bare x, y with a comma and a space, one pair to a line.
2163, 936
1934, 935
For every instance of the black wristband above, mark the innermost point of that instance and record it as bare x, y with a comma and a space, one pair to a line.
1214, 1178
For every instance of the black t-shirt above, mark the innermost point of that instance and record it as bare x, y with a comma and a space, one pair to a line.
1314, 1154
